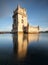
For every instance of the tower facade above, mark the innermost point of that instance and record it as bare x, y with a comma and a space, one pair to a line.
20, 23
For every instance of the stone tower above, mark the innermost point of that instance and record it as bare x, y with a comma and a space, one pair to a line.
20, 23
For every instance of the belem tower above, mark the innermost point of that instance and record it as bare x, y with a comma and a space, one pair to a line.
20, 22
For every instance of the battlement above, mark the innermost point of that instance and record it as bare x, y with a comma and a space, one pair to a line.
20, 10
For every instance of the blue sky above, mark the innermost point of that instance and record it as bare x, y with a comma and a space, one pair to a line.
37, 12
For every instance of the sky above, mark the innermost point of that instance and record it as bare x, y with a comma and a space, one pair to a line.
37, 13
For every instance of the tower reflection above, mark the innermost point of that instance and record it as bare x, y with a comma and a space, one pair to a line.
21, 42
33, 38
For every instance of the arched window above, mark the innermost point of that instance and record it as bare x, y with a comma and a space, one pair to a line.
38, 27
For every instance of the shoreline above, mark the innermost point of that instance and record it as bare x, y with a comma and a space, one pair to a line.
19, 32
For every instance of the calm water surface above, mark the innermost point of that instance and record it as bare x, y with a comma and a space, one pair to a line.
23, 49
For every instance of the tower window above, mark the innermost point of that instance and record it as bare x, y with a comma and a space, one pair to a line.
22, 16
22, 20
14, 19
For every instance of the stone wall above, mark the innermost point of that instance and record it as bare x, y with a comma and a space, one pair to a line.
33, 29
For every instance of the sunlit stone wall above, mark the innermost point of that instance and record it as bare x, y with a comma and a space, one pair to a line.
33, 29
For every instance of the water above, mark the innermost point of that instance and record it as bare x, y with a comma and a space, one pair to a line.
23, 49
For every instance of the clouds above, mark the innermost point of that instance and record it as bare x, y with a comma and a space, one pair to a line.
44, 29
37, 12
